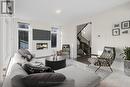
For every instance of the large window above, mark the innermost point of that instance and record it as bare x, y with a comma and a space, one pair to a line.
54, 35
53, 40
23, 35
23, 39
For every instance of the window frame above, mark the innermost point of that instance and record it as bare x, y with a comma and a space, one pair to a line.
23, 29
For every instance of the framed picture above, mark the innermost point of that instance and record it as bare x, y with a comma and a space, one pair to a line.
7, 7
116, 32
125, 24
125, 32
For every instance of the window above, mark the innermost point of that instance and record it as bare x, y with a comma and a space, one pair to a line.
23, 39
23, 25
54, 35
23, 35
53, 40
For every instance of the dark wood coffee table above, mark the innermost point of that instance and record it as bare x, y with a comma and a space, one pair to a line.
56, 63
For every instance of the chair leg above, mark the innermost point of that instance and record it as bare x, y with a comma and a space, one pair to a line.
110, 68
98, 68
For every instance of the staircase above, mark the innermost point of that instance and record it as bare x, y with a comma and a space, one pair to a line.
83, 48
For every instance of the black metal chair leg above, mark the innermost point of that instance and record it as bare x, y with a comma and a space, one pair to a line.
111, 69
98, 68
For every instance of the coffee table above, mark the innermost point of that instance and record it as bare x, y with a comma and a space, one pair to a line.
56, 63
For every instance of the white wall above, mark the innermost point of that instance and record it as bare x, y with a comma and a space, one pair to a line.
103, 25
70, 35
1, 59
7, 42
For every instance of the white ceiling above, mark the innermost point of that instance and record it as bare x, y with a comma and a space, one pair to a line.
44, 10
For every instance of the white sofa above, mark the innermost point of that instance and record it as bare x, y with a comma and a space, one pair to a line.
75, 77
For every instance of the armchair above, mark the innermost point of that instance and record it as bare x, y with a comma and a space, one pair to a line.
106, 59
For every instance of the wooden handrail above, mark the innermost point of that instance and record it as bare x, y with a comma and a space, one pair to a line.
84, 27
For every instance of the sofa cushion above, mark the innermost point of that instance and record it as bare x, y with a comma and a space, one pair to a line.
31, 69
17, 81
43, 79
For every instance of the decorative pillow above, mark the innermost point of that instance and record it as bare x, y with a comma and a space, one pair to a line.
17, 81
43, 79
28, 57
31, 69
26, 54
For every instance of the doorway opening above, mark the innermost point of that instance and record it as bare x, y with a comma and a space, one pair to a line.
84, 42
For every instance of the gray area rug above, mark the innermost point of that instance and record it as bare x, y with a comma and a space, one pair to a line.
103, 72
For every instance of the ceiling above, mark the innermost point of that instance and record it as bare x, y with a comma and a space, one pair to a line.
72, 10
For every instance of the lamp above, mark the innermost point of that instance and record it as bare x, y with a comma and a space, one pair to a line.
7, 7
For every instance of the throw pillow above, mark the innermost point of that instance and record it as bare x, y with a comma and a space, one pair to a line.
28, 57
26, 54
31, 69
43, 79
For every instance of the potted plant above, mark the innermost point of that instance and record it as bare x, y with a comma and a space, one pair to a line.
127, 60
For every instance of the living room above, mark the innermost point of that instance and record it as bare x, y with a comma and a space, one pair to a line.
62, 19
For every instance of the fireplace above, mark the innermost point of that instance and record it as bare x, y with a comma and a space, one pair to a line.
40, 46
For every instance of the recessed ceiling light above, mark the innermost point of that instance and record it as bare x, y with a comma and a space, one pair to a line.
58, 11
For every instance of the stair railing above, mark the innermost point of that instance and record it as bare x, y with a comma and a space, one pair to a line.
84, 27
84, 41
